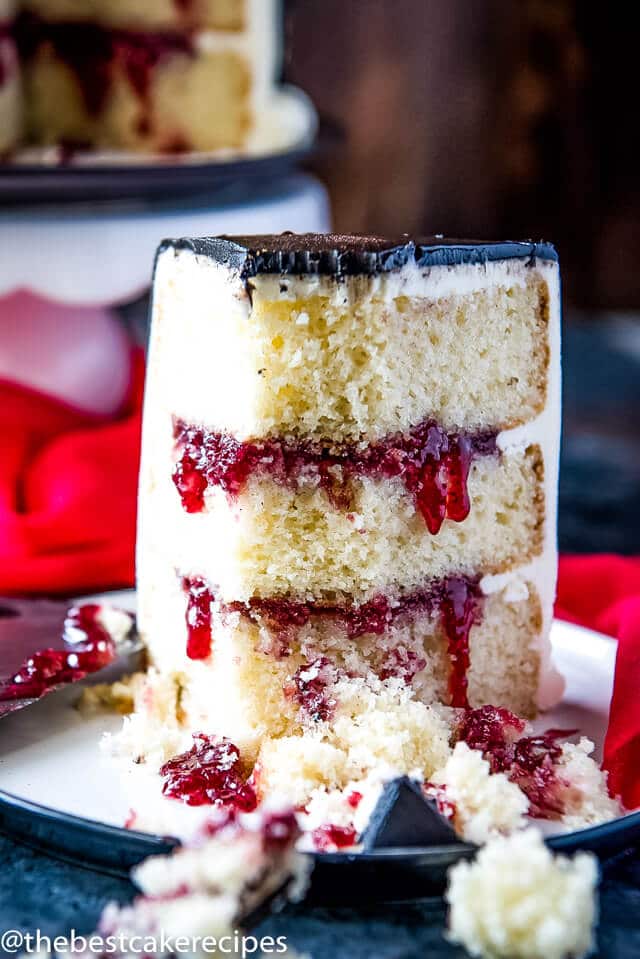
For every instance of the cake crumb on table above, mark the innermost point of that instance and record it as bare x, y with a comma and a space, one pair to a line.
519, 901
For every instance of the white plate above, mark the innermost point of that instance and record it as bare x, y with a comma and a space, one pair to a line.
49, 754
62, 793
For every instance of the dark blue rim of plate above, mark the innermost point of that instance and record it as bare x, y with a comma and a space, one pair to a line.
338, 878
33, 184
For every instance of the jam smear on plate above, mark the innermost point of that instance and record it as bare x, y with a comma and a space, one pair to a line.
87, 647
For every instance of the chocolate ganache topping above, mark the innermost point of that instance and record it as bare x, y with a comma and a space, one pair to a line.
330, 254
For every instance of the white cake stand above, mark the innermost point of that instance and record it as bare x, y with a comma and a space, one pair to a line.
101, 254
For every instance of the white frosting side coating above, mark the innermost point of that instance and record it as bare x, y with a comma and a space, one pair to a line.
545, 432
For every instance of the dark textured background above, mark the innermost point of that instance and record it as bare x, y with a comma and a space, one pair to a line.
599, 492
36, 892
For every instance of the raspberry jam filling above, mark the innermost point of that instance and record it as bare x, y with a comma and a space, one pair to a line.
86, 648
92, 52
432, 464
457, 599
531, 762
328, 838
198, 617
309, 687
210, 773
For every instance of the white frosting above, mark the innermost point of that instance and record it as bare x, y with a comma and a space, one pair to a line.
410, 280
544, 431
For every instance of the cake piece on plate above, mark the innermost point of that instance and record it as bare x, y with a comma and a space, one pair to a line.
519, 901
155, 76
348, 493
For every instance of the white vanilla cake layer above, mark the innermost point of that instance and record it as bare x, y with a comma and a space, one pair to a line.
179, 112
150, 14
354, 359
272, 540
176, 111
240, 688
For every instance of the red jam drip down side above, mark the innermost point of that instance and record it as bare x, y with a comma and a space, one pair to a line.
432, 464
198, 617
210, 773
531, 762
456, 598
92, 51
87, 648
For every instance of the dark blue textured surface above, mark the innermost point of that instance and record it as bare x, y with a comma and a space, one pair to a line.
38, 892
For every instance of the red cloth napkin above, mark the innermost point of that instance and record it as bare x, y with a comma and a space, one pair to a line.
68, 484
603, 592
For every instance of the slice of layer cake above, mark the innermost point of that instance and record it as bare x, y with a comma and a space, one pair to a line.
159, 76
348, 490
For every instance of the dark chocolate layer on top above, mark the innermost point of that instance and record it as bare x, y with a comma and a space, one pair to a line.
332, 254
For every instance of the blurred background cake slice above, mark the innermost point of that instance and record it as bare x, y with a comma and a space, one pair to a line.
148, 14
142, 79
349, 476
157, 76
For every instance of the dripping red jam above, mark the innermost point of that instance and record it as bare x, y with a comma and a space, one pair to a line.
210, 773
92, 53
432, 464
457, 599
198, 617
86, 648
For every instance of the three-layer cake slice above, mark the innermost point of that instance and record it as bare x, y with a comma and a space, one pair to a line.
349, 478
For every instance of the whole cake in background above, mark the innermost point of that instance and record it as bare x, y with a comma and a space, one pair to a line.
161, 76
347, 546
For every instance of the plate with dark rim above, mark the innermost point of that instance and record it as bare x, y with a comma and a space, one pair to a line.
60, 793
117, 176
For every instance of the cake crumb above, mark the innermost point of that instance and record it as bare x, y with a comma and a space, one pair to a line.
588, 802
518, 901
118, 697
485, 803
